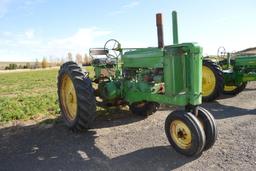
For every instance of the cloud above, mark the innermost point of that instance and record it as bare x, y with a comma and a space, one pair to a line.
32, 2
131, 5
25, 5
4, 7
78, 42
30, 33
28, 45
82, 38
125, 8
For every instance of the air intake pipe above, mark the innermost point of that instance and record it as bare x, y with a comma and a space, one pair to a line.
175, 28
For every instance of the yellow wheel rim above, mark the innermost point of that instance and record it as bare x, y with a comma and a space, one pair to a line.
229, 88
181, 134
209, 81
68, 97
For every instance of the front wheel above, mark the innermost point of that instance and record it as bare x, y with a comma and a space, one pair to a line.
185, 133
209, 126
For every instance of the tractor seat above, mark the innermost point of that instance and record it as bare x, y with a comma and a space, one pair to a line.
228, 71
104, 61
98, 51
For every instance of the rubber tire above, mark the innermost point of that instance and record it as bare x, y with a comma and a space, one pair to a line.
198, 134
148, 109
237, 90
86, 103
209, 126
219, 81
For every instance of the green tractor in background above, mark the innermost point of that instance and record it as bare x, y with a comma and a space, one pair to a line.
227, 74
142, 78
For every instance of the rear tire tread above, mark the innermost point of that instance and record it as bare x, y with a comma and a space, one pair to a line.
86, 103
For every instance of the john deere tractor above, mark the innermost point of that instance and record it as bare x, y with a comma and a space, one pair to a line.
142, 78
228, 74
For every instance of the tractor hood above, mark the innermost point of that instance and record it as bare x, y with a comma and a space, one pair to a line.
144, 57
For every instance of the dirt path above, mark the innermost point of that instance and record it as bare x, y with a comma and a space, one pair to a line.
127, 142
26, 70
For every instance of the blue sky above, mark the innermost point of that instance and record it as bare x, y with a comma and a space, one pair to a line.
32, 29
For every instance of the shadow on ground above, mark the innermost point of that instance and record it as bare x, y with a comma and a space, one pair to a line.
220, 111
49, 145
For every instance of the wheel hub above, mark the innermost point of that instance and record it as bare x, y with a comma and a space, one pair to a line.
68, 97
181, 134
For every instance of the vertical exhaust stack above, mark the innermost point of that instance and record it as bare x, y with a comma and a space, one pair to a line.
175, 28
160, 34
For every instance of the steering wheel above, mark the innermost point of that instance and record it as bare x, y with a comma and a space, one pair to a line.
113, 48
221, 52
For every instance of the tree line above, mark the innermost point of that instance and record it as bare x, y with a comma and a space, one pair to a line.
51, 62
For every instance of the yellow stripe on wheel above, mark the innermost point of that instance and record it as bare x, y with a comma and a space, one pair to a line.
229, 88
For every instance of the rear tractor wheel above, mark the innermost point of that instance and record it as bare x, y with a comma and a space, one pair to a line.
234, 90
185, 133
76, 97
213, 81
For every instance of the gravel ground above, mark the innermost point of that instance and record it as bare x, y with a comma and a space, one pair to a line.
122, 141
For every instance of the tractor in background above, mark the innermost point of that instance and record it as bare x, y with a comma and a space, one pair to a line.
142, 78
229, 74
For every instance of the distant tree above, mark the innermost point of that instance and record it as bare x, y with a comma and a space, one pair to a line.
45, 63
87, 60
62, 61
69, 57
51, 61
79, 59
11, 67
56, 61
27, 66
37, 64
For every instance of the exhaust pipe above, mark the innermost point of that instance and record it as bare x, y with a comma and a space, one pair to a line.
175, 28
159, 25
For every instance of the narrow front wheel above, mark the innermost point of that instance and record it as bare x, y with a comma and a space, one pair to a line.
209, 126
185, 133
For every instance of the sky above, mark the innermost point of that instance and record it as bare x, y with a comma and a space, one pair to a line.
33, 29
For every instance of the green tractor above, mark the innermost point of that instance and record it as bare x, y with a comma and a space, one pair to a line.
227, 74
142, 78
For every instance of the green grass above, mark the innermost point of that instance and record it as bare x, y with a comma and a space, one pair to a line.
27, 95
